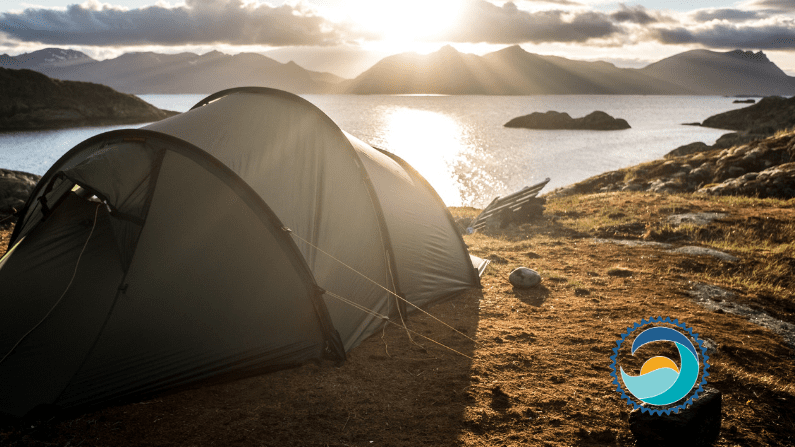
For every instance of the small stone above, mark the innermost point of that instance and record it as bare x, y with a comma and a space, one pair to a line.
697, 425
524, 278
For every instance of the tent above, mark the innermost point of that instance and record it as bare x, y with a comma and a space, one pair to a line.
247, 234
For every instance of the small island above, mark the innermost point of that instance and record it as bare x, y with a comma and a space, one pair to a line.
30, 100
552, 120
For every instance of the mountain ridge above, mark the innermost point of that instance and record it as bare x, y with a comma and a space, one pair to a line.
508, 71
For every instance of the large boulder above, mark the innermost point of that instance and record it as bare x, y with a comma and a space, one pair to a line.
552, 120
15, 187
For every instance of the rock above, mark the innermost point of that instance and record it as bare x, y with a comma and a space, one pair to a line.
704, 251
688, 149
31, 100
744, 101
15, 187
774, 182
552, 120
694, 218
697, 425
524, 278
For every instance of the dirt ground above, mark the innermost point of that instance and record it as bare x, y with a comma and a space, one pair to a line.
534, 367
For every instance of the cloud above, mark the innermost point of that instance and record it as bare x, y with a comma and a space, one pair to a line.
197, 22
776, 5
636, 14
555, 2
769, 37
482, 21
732, 15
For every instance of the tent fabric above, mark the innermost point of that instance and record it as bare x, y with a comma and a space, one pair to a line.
213, 243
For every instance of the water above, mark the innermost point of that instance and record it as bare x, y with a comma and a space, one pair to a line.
458, 142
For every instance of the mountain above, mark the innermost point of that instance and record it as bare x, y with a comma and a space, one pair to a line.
510, 71
535, 74
731, 73
513, 71
46, 58
31, 100
148, 72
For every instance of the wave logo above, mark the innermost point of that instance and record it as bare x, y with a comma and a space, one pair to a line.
661, 382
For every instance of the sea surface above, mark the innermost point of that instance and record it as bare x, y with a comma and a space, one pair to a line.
458, 142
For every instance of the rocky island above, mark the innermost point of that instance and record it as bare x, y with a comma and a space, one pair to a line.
552, 120
30, 101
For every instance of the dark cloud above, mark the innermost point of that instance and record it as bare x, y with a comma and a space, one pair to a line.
199, 22
732, 15
775, 37
482, 21
636, 14
777, 5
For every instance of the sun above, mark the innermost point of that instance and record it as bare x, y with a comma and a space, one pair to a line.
406, 20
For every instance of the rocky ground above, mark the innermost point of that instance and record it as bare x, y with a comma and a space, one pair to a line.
758, 160
534, 367
30, 100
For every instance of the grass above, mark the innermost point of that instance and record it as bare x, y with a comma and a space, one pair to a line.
762, 231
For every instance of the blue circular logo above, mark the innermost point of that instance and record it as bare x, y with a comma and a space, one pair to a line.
661, 381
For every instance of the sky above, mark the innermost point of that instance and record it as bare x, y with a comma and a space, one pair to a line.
346, 37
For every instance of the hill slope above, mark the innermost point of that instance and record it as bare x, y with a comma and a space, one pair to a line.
31, 100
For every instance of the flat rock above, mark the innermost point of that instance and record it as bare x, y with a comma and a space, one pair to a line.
694, 218
716, 298
696, 425
704, 251
632, 243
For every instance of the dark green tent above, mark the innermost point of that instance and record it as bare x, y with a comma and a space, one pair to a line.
247, 234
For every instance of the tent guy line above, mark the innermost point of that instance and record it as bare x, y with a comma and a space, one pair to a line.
386, 319
289, 231
77, 264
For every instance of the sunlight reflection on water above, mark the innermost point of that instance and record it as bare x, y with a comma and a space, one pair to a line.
441, 148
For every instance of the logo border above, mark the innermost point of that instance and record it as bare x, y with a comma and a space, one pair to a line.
693, 396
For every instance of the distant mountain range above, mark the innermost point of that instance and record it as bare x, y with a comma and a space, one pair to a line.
510, 71
148, 72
